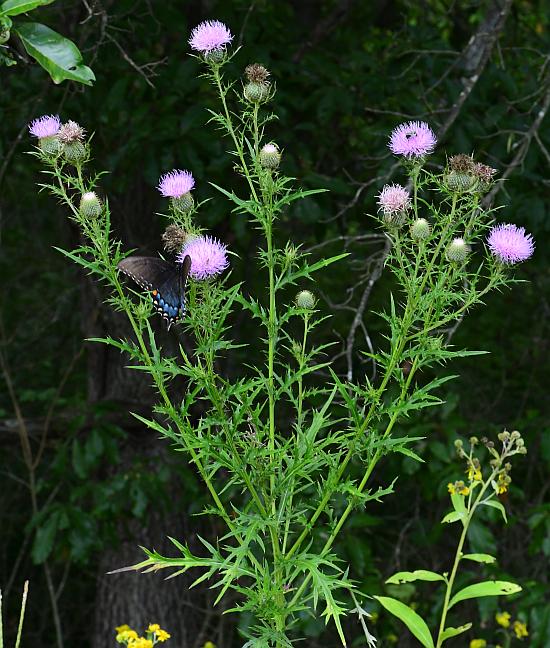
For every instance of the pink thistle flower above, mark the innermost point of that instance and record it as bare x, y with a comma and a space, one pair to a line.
208, 257
176, 183
209, 36
394, 198
412, 139
45, 126
510, 244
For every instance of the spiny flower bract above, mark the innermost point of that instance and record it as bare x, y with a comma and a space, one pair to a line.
208, 257
412, 139
176, 183
45, 126
394, 198
210, 35
510, 244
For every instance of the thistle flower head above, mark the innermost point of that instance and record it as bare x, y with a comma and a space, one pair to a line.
208, 257
256, 73
412, 140
510, 244
71, 132
209, 36
176, 183
394, 198
45, 126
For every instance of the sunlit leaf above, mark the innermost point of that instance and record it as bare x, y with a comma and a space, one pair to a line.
414, 622
419, 574
487, 588
16, 7
59, 56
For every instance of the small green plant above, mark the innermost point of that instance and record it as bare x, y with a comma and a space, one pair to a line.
58, 55
286, 458
21, 617
467, 497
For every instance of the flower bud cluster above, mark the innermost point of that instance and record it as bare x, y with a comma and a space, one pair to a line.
56, 139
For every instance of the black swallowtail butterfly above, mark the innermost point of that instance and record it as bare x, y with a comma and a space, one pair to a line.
165, 281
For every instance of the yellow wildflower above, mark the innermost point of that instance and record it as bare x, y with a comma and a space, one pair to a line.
478, 643
121, 628
503, 619
520, 629
464, 490
141, 642
209, 644
474, 474
126, 635
162, 635
451, 488
153, 627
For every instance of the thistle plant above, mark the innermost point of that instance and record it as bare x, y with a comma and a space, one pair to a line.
485, 481
285, 458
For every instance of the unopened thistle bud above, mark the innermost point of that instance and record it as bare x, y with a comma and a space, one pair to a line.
270, 156
174, 238
74, 152
305, 299
257, 92
458, 251
90, 205
420, 229
460, 182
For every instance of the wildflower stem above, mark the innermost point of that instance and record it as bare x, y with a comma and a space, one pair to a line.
471, 508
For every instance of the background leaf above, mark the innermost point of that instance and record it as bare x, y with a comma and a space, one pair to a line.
59, 56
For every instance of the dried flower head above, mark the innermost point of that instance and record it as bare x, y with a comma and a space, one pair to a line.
209, 36
483, 173
256, 73
174, 238
394, 198
208, 257
176, 183
45, 126
412, 139
510, 244
461, 162
71, 132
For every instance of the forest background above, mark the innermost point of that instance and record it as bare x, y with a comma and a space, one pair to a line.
347, 72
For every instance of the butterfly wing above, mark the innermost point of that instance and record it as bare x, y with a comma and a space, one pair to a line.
165, 281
